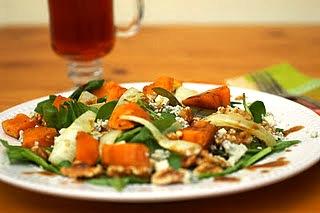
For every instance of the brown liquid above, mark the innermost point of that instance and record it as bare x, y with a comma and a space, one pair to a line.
44, 173
292, 129
81, 29
277, 163
227, 179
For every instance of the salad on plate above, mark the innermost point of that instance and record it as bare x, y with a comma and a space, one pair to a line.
109, 135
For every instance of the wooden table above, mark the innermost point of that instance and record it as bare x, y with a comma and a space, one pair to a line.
29, 69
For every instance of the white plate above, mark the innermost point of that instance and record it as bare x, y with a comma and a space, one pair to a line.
287, 114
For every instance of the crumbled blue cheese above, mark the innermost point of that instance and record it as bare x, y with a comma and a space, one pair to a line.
160, 101
183, 122
173, 109
100, 124
160, 154
21, 136
235, 151
161, 165
221, 132
314, 134
269, 118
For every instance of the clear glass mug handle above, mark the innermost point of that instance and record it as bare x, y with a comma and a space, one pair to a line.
133, 27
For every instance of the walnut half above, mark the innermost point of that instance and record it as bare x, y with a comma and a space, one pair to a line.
168, 176
82, 171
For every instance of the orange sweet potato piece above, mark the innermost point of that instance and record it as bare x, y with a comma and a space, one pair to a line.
211, 99
129, 154
87, 149
201, 132
44, 136
19, 122
111, 90
126, 109
165, 82
59, 101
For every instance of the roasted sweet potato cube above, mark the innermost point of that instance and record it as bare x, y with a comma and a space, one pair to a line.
20, 122
211, 99
164, 82
87, 149
44, 136
126, 109
111, 90
201, 132
129, 154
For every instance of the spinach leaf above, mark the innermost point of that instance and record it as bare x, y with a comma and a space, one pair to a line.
173, 128
147, 108
164, 121
17, 154
258, 156
258, 110
102, 100
64, 163
128, 135
91, 85
105, 111
173, 101
44, 104
282, 145
145, 137
118, 183
175, 160
63, 117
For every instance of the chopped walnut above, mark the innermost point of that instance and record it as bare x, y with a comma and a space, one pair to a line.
207, 168
40, 151
186, 114
189, 161
118, 171
235, 110
175, 135
80, 170
206, 157
232, 135
167, 176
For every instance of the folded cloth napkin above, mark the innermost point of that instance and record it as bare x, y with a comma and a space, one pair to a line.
293, 81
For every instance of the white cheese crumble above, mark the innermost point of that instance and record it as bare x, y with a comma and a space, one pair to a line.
21, 136
235, 151
314, 134
100, 124
221, 132
161, 165
173, 109
183, 122
269, 118
161, 101
160, 154
187, 177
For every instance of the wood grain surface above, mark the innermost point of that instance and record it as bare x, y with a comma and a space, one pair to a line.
29, 69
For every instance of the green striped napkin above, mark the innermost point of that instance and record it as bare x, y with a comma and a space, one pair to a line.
295, 82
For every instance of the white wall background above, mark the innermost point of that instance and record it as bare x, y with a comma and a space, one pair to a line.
17, 12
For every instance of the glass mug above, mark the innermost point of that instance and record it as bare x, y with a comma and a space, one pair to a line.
83, 31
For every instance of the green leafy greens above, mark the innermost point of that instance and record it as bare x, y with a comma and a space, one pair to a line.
62, 118
90, 86
258, 110
18, 154
106, 110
